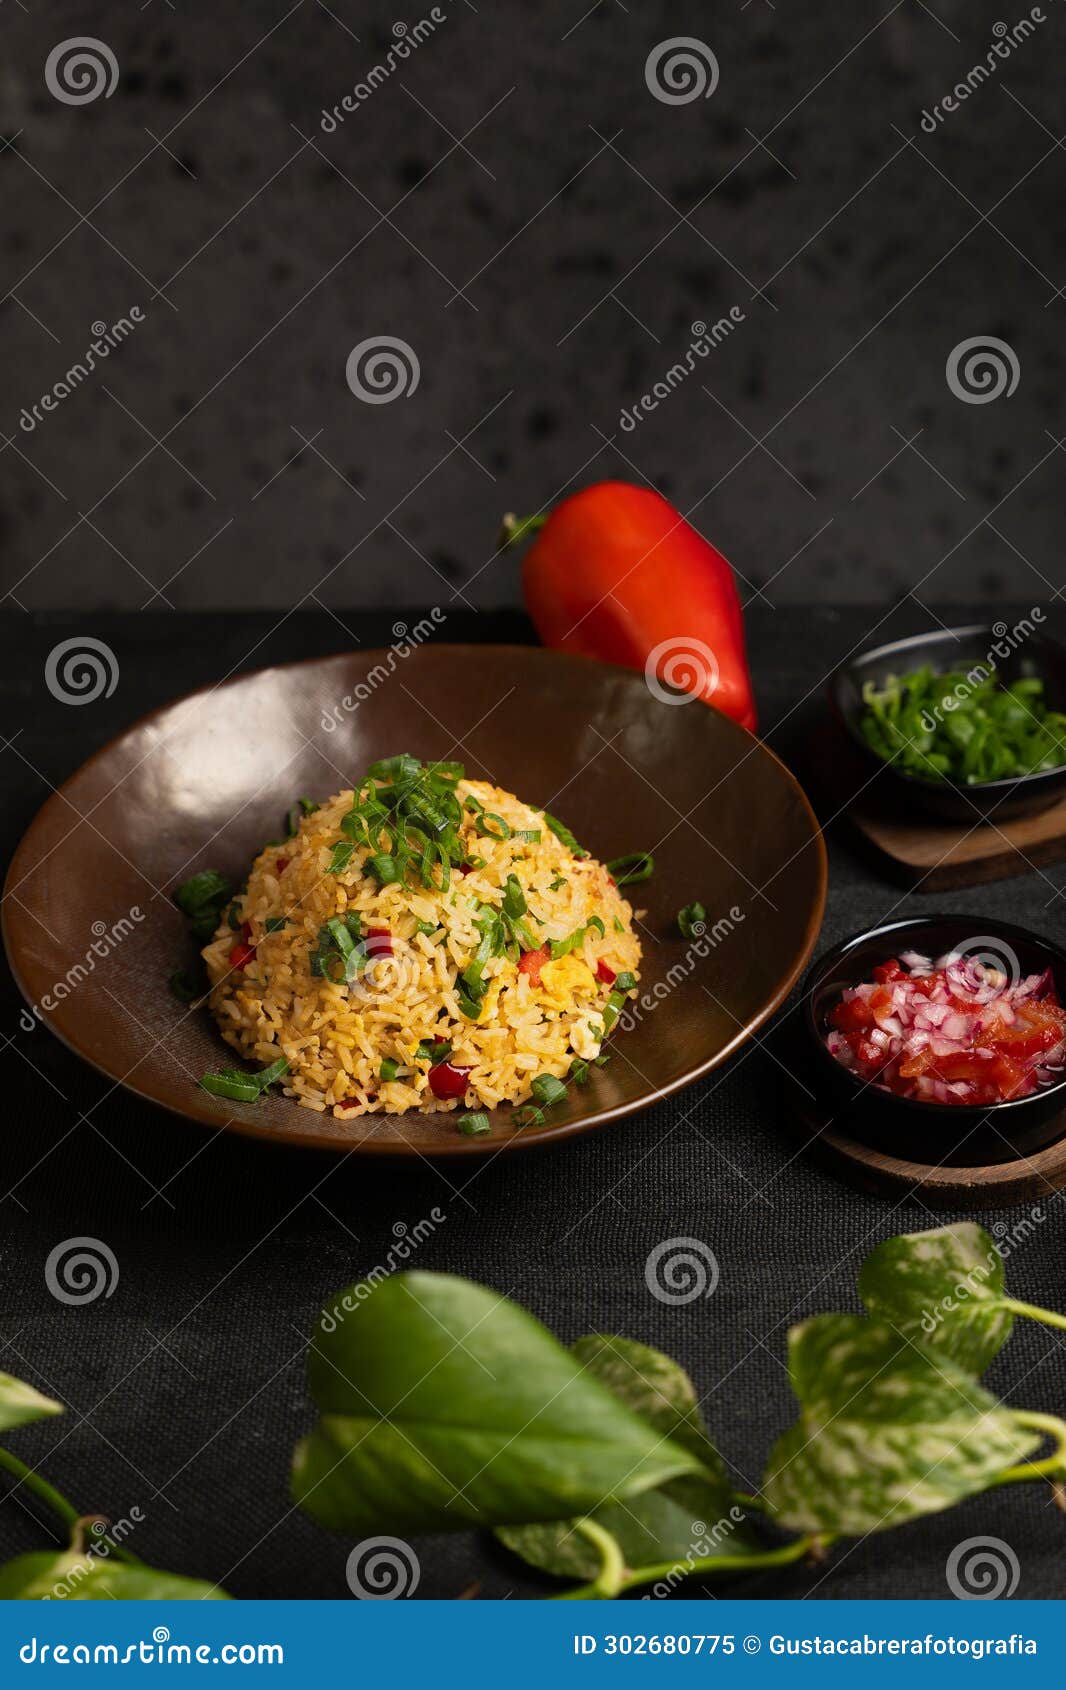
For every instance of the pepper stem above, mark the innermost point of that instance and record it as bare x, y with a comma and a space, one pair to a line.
516, 528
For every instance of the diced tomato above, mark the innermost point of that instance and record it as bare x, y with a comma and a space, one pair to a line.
282, 864
466, 868
446, 1080
955, 1032
888, 971
241, 955
531, 962
607, 975
379, 941
851, 1014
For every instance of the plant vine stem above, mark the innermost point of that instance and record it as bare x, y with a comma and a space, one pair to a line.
609, 1580
1049, 1317
754, 1504
1051, 1466
55, 1500
782, 1557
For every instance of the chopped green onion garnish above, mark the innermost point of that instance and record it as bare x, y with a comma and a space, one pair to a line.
692, 920
433, 1051
625, 982
296, 812
185, 988
388, 1070
385, 869
275, 923
474, 1126
426, 927
527, 1116
602, 1060
612, 1010
237, 1087
240, 1087
267, 1076
514, 899
579, 1071
208, 889
342, 938
628, 870
490, 816
962, 726
340, 856
548, 1090
529, 835
563, 947
563, 834
560, 880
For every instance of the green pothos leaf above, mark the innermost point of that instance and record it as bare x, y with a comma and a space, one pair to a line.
885, 1433
445, 1406
20, 1403
74, 1577
689, 1518
943, 1288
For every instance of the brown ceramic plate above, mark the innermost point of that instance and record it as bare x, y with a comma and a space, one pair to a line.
204, 782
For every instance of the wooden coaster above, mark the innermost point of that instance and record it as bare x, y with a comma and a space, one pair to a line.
936, 856
925, 852
998, 1185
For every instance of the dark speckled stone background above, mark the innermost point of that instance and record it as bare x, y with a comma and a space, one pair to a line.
516, 206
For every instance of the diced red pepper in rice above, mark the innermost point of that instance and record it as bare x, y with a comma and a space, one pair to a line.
531, 962
446, 1080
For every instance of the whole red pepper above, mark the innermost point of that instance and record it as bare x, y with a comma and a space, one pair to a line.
616, 573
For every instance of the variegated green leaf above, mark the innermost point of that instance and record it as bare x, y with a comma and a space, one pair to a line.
690, 1518
885, 1433
944, 1288
73, 1577
443, 1405
20, 1403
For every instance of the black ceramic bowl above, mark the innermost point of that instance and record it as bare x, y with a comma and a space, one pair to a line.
1033, 654
959, 1134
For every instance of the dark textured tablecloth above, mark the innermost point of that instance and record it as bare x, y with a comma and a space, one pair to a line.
185, 1389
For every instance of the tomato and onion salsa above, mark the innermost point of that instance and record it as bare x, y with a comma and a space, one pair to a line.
953, 1031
